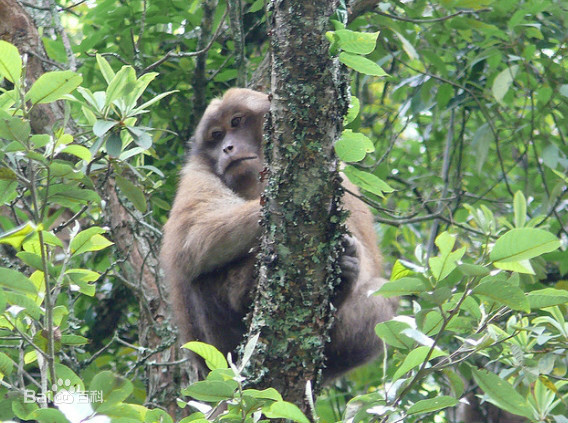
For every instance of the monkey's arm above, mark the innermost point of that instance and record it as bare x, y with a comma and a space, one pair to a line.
209, 225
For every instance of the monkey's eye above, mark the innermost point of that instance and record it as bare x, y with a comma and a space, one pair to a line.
236, 121
217, 135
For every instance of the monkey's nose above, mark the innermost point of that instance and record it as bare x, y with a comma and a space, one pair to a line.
228, 149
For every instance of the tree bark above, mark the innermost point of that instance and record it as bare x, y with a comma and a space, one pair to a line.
301, 219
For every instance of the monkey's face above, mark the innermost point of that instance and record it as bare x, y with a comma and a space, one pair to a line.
229, 137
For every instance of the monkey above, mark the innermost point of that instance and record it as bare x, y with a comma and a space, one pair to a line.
211, 239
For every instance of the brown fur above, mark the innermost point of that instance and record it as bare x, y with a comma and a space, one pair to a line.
211, 237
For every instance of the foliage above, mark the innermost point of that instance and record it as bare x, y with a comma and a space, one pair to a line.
461, 149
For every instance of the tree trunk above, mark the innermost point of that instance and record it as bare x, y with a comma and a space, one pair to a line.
301, 219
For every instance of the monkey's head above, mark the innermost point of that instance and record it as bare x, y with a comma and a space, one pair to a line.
229, 139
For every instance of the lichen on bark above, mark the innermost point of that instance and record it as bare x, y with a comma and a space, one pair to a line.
302, 218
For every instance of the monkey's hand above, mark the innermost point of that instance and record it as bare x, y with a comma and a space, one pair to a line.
349, 263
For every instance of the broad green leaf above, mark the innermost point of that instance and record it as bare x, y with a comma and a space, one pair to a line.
468, 269
353, 110
89, 240
7, 174
79, 151
16, 129
523, 243
101, 127
6, 365
211, 390
132, 192
520, 209
10, 62
433, 404
22, 409
361, 64
443, 264
106, 70
121, 84
285, 410
353, 146
16, 236
144, 106
501, 393
547, 297
269, 393
52, 86
141, 85
69, 378
403, 286
407, 47
114, 388
367, 181
357, 42
40, 140
212, 356
521, 266
114, 144
48, 415
503, 291
414, 359
391, 333
16, 281
503, 82
73, 340
23, 300
141, 137
444, 95
482, 140
399, 271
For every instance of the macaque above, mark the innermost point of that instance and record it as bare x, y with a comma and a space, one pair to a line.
212, 236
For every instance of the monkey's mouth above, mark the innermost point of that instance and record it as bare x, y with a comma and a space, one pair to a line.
239, 160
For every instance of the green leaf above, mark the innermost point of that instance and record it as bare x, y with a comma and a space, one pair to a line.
6, 365
361, 64
468, 269
40, 140
403, 286
113, 387
399, 271
101, 127
48, 415
16, 129
7, 174
353, 110
547, 297
503, 291
520, 209
443, 264
269, 393
114, 144
414, 359
106, 70
357, 42
213, 357
52, 86
211, 390
10, 62
391, 333
144, 106
22, 409
16, 281
367, 181
482, 140
523, 243
79, 151
132, 192
73, 340
502, 394
285, 410
89, 240
141, 137
16, 236
433, 404
353, 146
120, 85
503, 82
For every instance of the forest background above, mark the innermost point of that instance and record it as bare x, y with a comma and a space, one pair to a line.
456, 135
